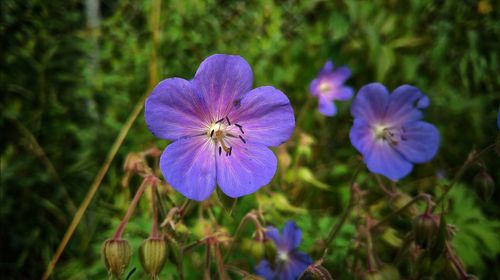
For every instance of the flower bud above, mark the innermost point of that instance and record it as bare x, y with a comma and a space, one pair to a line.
153, 254
116, 254
270, 251
390, 272
484, 185
424, 228
376, 275
316, 272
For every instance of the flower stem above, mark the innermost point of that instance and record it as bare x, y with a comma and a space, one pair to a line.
154, 227
336, 228
400, 210
471, 159
251, 216
206, 275
130, 210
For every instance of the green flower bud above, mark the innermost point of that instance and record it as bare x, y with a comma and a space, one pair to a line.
116, 254
269, 251
153, 255
425, 229
376, 275
484, 185
390, 272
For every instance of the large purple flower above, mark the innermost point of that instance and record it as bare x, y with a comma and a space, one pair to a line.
329, 86
388, 130
289, 262
220, 128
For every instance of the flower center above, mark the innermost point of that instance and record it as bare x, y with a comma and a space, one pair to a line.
391, 135
282, 256
324, 87
221, 130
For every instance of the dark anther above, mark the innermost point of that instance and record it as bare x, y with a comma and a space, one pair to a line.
228, 122
221, 120
403, 138
240, 127
230, 150
220, 151
212, 133
242, 139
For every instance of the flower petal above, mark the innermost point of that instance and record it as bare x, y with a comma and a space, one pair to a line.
339, 75
383, 159
343, 93
273, 234
265, 270
370, 103
421, 142
175, 110
361, 136
292, 235
266, 116
222, 80
249, 167
404, 104
326, 107
189, 166
327, 68
298, 263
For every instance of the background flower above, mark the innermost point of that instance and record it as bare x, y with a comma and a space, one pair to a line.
388, 130
289, 262
221, 128
329, 86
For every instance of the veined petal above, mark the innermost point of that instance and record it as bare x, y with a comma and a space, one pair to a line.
370, 103
265, 270
383, 159
298, 263
404, 105
421, 142
292, 235
222, 80
249, 167
266, 116
326, 107
188, 165
175, 110
361, 136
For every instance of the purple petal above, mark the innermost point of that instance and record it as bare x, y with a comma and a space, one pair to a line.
421, 142
298, 263
327, 68
265, 270
249, 167
498, 119
326, 107
292, 235
339, 75
343, 94
314, 87
403, 105
383, 159
266, 116
273, 234
222, 80
189, 166
370, 103
361, 136
175, 110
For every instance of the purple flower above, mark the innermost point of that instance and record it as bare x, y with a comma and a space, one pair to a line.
388, 130
289, 263
220, 128
329, 86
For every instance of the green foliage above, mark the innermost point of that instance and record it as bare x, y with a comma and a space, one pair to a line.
67, 88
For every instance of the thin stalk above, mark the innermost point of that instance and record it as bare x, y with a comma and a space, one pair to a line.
470, 160
131, 208
400, 210
248, 217
206, 274
336, 228
154, 227
220, 262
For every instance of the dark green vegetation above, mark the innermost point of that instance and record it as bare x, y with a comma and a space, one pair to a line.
69, 85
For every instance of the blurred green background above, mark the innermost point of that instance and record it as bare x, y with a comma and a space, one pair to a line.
72, 72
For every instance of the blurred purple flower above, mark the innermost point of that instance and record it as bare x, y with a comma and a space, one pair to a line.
289, 263
388, 130
220, 128
329, 86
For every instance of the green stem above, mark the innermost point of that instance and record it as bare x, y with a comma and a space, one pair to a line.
400, 210
248, 217
336, 228
470, 160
